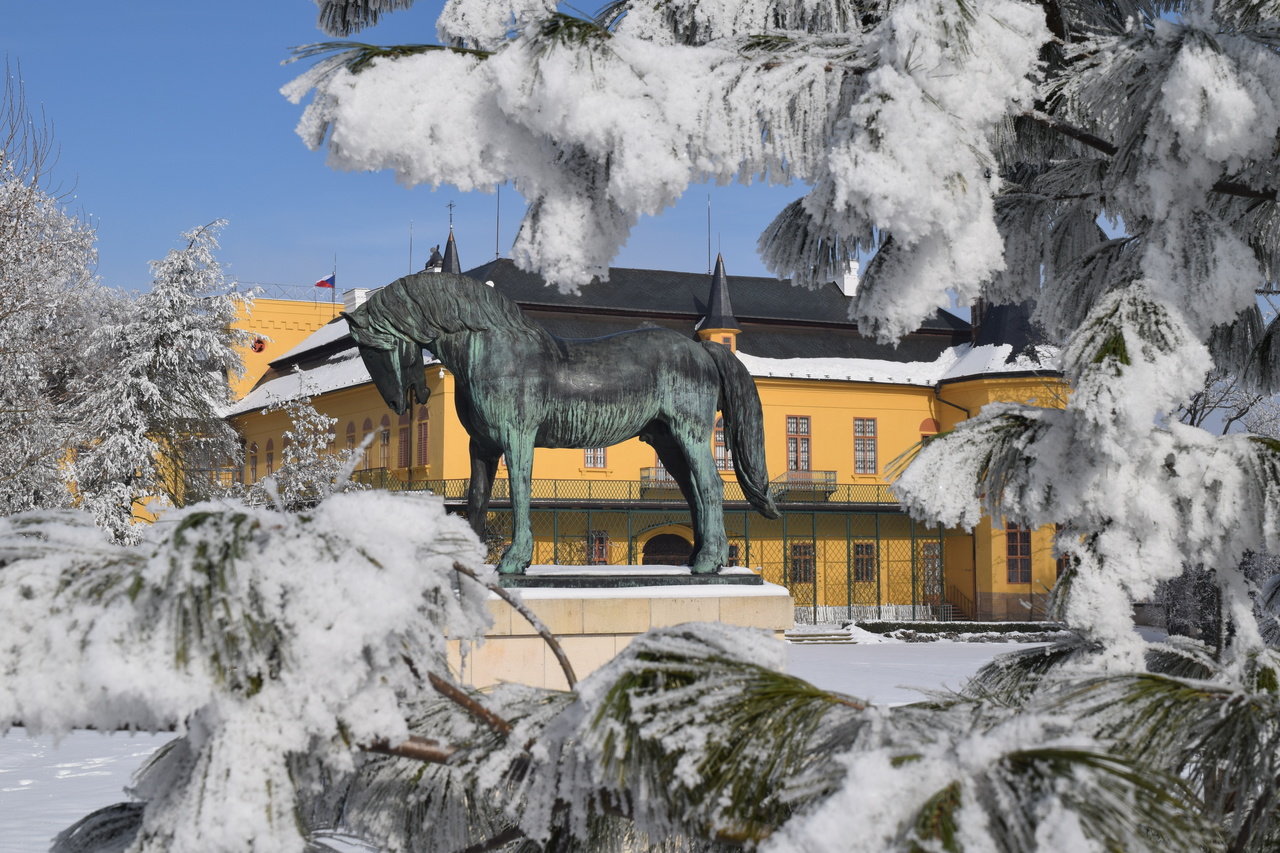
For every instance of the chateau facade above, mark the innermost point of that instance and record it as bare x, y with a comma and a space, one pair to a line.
839, 408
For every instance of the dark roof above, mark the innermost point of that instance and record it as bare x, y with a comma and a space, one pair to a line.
1010, 324
719, 307
649, 292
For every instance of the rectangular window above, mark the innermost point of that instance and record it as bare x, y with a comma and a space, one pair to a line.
253, 468
864, 445
593, 457
723, 456
384, 449
797, 443
402, 456
864, 562
598, 548
1018, 545
802, 562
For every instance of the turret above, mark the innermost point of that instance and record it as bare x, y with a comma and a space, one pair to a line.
719, 324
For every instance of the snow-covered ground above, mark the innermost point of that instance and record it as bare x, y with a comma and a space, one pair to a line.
44, 787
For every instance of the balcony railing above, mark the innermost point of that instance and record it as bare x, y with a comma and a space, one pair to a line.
653, 490
657, 478
806, 483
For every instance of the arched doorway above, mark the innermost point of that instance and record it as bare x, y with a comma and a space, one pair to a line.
667, 549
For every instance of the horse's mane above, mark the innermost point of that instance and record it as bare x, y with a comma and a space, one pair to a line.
425, 305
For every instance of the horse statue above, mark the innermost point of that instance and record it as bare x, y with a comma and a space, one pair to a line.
521, 387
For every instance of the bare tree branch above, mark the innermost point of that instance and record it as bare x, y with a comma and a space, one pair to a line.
459, 697
417, 748
531, 617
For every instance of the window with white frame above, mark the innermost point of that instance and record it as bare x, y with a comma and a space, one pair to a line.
797, 443
598, 548
864, 446
723, 456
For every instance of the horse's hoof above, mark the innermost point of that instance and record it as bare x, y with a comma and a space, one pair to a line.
513, 567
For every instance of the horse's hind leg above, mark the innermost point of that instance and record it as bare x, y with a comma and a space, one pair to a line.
708, 503
673, 460
520, 474
691, 455
484, 467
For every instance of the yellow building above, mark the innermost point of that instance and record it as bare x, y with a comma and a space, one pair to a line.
838, 409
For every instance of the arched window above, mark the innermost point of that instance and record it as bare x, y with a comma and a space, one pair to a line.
368, 428
253, 462
384, 442
271, 456
929, 428
423, 434
351, 434
404, 453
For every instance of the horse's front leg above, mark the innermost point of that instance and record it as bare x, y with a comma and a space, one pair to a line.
520, 476
484, 467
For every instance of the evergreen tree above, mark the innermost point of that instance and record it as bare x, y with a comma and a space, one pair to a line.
157, 407
50, 298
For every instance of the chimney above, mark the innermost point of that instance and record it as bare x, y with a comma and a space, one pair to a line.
848, 282
354, 298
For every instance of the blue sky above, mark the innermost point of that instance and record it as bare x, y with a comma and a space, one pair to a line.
168, 115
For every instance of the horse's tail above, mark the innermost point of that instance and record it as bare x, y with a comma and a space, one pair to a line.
743, 427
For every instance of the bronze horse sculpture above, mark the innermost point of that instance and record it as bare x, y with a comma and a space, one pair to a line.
520, 387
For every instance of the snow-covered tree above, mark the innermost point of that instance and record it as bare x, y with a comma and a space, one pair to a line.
969, 144
311, 468
157, 410
50, 297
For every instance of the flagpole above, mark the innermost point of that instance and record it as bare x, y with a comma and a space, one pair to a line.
333, 291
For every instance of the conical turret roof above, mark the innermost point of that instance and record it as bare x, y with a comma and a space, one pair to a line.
719, 308
451, 256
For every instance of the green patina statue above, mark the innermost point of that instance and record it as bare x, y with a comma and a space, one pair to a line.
520, 387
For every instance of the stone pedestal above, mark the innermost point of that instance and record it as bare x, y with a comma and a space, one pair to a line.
594, 622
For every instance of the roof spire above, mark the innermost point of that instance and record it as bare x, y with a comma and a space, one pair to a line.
451, 263
719, 309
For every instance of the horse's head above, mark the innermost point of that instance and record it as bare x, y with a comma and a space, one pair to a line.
394, 362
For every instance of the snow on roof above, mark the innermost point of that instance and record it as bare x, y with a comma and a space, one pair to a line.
343, 369
328, 333
952, 363
991, 359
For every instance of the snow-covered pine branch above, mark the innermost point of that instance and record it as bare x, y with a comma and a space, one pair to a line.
276, 643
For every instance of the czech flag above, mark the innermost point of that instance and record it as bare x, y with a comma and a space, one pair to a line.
328, 281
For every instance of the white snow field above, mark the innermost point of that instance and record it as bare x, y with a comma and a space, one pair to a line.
44, 787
